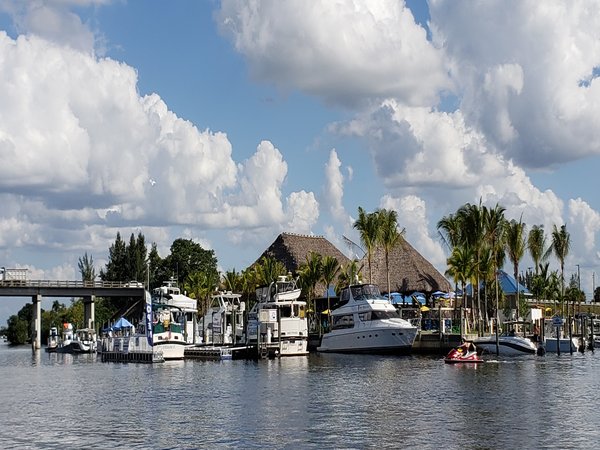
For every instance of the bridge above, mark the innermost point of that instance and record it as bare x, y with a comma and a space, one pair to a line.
87, 290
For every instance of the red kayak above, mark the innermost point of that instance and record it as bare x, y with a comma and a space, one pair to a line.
462, 355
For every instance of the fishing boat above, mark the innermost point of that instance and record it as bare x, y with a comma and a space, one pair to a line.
277, 324
179, 308
223, 323
465, 354
53, 340
366, 322
82, 340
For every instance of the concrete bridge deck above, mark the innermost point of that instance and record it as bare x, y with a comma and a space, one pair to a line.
88, 290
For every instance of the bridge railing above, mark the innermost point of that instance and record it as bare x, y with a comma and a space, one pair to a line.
69, 284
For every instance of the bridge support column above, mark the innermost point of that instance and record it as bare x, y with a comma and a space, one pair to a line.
36, 324
89, 319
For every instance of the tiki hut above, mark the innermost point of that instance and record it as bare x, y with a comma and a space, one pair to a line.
409, 271
292, 249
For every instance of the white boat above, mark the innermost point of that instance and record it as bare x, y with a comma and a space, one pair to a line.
82, 340
508, 345
182, 308
223, 323
53, 340
158, 337
556, 337
366, 322
514, 341
277, 324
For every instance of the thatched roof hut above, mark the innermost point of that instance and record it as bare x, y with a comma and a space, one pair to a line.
292, 249
409, 271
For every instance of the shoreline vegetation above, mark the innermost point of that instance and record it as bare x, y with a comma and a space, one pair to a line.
480, 242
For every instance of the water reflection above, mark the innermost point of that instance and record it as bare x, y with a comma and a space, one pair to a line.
322, 401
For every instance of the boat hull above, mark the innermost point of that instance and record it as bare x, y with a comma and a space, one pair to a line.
551, 346
508, 345
170, 350
386, 340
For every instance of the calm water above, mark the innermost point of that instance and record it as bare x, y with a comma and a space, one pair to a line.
324, 401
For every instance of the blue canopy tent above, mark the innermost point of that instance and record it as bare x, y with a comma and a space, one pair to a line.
122, 323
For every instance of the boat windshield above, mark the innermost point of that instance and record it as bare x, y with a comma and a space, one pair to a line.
365, 292
378, 315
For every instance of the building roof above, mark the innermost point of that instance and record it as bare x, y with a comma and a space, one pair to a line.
509, 286
292, 249
409, 271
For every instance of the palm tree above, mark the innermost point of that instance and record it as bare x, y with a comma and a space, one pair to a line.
348, 274
471, 220
330, 267
561, 244
310, 274
232, 280
367, 226
450, 231
515, 246
495, 225
536, 241
268, 270
461, 268
388, 238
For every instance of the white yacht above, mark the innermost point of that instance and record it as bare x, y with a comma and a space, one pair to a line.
366, 322
277, 324
223, 323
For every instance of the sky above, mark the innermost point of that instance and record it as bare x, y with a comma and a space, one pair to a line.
229, 122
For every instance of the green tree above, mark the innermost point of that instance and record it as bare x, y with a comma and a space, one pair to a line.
116, 267
232, 281
189, 257
310, 274
561, 244
267, 270
536, 241
86, 268
17, 332
349, 274
515, 246
367, 226
388, 237
330, 268
461, 268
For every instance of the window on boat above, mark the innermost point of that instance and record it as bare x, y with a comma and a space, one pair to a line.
344, 321
366, 292
299, 311
285, 311
380, 315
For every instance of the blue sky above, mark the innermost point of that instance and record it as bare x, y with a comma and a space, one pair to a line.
228, 122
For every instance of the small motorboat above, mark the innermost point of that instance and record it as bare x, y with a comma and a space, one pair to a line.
466, 353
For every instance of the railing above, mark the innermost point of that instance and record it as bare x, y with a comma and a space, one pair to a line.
69, 284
